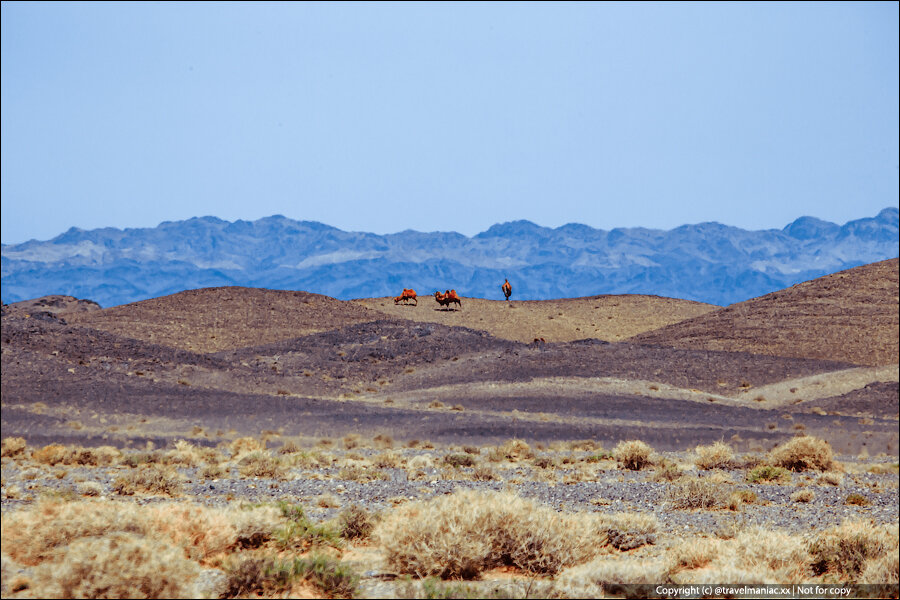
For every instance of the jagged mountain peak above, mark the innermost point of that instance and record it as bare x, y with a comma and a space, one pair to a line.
708, 262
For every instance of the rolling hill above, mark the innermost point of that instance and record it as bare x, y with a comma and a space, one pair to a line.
850, 316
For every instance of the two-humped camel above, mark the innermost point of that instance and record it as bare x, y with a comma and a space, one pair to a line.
447, 298
406, 296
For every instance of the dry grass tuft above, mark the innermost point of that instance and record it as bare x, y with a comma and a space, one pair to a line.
289, 447
51, 454
122, 565
633, 454
387, 460
468, 532
752, 557
355, 523
151, 479
261, 464
717, 456
768, 473
265, 576
89, 488
698, 493
12, 446
847, 549
803, 454
383, 441
512, 450
883, 571
420, 461
804, 495
830, 478
857, 499
245, 445
605, 577
34, 535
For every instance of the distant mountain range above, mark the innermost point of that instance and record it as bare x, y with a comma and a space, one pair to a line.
707, 262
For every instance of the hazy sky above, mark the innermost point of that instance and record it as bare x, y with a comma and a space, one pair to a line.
385, 117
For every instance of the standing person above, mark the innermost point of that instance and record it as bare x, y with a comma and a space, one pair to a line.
507, 289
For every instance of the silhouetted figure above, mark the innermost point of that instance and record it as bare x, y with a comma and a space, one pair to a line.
507, 289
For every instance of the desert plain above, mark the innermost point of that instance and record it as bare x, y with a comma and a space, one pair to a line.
229, 442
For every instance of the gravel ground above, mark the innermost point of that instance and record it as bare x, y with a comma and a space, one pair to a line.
609, 490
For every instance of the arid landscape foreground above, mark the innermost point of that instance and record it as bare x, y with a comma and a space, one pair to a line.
299, 445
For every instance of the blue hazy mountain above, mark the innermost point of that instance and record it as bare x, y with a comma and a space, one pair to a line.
708, 262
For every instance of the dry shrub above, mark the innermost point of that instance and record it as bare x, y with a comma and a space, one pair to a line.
484, 473
289, 447
202, 532
383, 441
605, 577
459, 460
629, 522
253, 526
544, 462
883, 570
626, 531
468, 532
151, 479
752, 557
185, 454
361, 473
76, 455
355, 523
351, 441
261, 464
12, 446
122, 565
512, 450
803, 454
857, 499
717, 456
386, 460
327, 501
265, 576
848, 548
883, 468
693, 554
51, 454
835, 479
697, 493
245, 445
585, 446
213, 472
666, 471
633, 454
804, 495
33, 535
89, 488
422, 461
768, 473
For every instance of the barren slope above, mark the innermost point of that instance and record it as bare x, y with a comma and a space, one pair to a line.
214, 319
609, 318
850, 316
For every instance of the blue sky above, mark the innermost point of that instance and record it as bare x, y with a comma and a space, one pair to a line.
384, 117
